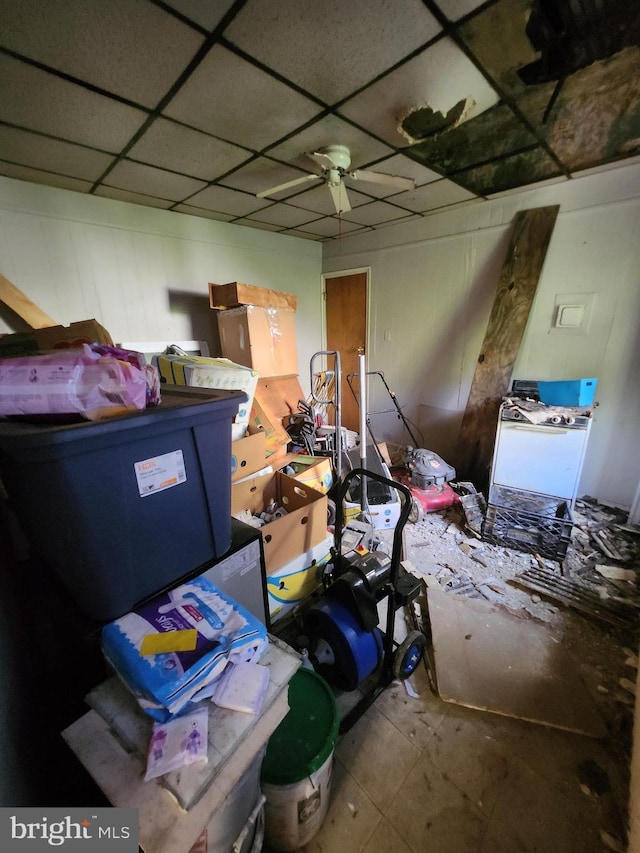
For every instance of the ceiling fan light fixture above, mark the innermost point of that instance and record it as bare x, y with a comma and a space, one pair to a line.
335, 160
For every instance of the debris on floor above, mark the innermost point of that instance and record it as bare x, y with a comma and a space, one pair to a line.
593, 614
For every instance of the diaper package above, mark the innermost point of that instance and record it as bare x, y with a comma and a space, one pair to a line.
93, 381
169, 682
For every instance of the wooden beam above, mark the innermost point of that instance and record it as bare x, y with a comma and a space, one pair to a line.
517, 286
23, 306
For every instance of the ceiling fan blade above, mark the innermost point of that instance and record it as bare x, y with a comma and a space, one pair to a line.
340, 198
288, 185
382, 178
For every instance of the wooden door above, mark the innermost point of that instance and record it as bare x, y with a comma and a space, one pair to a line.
346, 313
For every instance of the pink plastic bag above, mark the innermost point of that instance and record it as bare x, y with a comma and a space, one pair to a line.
73, 381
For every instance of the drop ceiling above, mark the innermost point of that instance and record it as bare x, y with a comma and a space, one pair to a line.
196, 106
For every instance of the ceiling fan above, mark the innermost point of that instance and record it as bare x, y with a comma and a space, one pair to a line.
335, 160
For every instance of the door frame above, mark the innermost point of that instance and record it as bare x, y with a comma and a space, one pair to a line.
367, 285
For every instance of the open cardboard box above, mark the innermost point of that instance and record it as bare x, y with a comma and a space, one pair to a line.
314, 471
302, 528
293, 583
247, 455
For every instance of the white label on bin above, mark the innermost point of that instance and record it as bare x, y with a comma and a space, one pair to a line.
160, 472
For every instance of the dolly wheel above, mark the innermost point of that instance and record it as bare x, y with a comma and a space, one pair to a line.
409, 654
416, 512
331, 512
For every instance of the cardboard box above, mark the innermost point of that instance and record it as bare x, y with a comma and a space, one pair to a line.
292, 584
247, 455
236, 293
302, 528
276, 437
201, 372
314, 471
261, 338
54, 337
279, 395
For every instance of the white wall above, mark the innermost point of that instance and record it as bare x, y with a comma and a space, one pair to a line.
432, 286
142, 272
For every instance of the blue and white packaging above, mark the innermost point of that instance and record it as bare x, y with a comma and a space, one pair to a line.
165, 684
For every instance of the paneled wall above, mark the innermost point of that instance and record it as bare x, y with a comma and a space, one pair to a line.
144, 273
432, 284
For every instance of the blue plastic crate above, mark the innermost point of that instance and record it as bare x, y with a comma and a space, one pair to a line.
570, 392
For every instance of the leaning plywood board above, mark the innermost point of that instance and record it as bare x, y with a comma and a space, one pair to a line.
23, 306
485, 658
517, 286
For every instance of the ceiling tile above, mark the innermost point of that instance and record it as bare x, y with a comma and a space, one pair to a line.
492, 134
35, 176
606, 167
41, 152
596, 117
414, 217
398, 165
435, 195
320, 200
229, 201
206, 13
200, 211
440, 79
263, 174
338, 46
538, 185
236, 101
134, 198
498, 39
526, 167
263, 226
284, 215
115, 45
148, 180
294, 232
456, 9
330, 130
331, 227
181, 149
40, 101
375, 213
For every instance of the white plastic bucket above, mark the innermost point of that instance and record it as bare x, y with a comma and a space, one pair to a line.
294, 813
296, 772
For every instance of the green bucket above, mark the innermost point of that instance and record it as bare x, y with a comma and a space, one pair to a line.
306, 737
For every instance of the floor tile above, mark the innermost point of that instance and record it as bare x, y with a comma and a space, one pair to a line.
468, 756
350, 820
386, 839
432, 815
533, 814
378, 756
417, 718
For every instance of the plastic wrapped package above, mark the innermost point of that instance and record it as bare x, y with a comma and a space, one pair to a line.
166, 684
92, 381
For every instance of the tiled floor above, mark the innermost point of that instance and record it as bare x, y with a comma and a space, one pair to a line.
419, 774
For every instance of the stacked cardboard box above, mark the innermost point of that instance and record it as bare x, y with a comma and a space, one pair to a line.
257, 330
